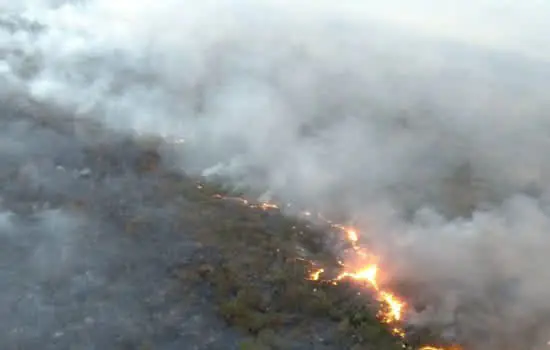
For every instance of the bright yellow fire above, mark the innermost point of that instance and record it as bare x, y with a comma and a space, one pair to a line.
314, 276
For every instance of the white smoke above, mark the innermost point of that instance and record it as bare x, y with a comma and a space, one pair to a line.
423, 120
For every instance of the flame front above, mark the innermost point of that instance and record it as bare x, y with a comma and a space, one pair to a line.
369, 275
393, 308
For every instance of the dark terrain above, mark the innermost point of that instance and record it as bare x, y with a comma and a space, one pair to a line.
106, 246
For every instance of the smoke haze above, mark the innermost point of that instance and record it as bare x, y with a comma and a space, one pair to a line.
425, 122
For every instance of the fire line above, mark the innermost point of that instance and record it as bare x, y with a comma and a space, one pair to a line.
395, 308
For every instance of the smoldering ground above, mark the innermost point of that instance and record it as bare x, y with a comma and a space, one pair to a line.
425, 124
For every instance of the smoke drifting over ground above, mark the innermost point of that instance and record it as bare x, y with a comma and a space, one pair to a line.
427, 130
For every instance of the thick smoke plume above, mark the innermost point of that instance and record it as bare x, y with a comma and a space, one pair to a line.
425, 122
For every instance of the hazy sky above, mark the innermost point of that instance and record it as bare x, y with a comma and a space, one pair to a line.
507, 24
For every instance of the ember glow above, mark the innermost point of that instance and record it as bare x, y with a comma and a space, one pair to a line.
392, 307
314, 276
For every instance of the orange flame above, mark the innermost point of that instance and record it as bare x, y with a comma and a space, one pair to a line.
393, 307
314, 276
367, 274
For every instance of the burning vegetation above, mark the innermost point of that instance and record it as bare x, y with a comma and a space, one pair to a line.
275, 279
